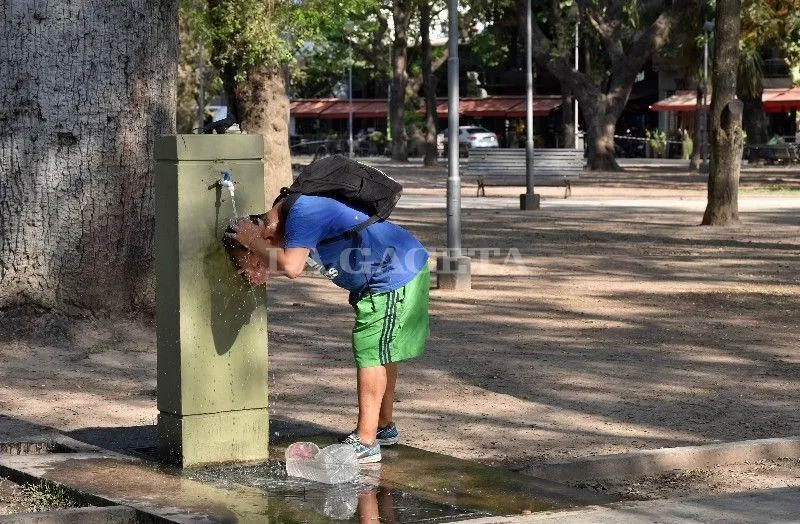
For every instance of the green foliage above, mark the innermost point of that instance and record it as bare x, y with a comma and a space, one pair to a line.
657, 140
750, 73
244, 33
45, 496
321, 52
188, 72
772, 23
268, 33
687, 144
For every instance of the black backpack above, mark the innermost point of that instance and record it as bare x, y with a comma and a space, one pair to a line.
352, 183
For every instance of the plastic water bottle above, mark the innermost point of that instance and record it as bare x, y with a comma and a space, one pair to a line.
341, 501
333, 464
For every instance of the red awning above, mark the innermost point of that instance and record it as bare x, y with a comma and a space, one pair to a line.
361, 109
541, 106
510, 107
783, 102
680, 101
309, 108
687, 100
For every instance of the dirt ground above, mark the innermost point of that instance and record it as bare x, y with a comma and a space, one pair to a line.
588, 331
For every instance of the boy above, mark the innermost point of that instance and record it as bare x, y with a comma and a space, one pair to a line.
386, 271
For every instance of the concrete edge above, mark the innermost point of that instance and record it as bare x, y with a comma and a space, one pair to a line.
651, 462
771, 505
91, 515
70, 444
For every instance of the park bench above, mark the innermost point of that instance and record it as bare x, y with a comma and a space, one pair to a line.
772, 153
551, 167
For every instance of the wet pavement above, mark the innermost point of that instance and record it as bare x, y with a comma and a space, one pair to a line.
410, 485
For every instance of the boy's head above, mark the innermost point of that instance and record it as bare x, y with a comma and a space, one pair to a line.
251, 266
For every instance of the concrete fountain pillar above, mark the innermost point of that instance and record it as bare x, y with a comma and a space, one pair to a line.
211, 327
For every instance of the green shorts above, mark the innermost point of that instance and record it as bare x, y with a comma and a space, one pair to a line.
392, 326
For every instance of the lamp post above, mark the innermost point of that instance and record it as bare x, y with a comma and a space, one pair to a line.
575, 13
453, 268
348, 28
529, 200
708, 27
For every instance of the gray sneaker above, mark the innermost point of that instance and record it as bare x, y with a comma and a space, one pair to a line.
387, 435
365, 454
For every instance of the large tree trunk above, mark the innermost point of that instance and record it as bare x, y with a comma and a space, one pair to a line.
401, 11
85, 88
754, 121
262, 107
601, 122
568, 116
431, 151
697, 132
726, 120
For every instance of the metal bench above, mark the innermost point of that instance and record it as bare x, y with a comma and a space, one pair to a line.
551, 167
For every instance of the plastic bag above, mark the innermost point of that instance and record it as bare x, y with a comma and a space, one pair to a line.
333, 464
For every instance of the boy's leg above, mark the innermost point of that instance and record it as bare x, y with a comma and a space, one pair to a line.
372, 383
385, 416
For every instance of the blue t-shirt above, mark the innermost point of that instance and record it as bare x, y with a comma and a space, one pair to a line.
385, 257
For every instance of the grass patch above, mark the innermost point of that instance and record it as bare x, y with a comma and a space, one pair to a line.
45, 496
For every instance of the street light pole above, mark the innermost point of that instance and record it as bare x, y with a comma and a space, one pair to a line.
529, 200
575, 115
348, 27
708, 27
453, 268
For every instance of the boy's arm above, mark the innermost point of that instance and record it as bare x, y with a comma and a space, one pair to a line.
289, 261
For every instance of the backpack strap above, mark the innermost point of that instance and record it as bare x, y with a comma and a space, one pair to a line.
351, 233
290, 197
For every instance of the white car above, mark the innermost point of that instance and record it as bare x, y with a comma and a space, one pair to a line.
472, 137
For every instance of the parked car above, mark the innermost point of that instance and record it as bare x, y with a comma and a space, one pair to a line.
472, 137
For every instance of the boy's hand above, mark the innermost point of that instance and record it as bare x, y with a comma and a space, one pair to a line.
246, 232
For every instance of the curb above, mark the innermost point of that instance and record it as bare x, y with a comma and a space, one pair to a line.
92, 515
650, 462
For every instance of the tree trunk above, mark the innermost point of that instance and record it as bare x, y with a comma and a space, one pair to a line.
85, 88
431, 151
754, 120
726, 120
263, 108
568, 116
695, 159
601, 122
401, 11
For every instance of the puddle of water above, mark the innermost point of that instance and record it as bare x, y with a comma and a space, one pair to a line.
408, 486
364, 499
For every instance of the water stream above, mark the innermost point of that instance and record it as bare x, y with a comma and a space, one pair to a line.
254, 302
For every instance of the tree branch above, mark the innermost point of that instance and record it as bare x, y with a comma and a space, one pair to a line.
607, 26
577, 82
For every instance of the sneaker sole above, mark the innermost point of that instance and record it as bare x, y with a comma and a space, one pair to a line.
370, 459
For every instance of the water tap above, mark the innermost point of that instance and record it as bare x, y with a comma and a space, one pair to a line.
224, 181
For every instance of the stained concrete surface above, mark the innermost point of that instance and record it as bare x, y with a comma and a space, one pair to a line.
776, 506
410, 485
